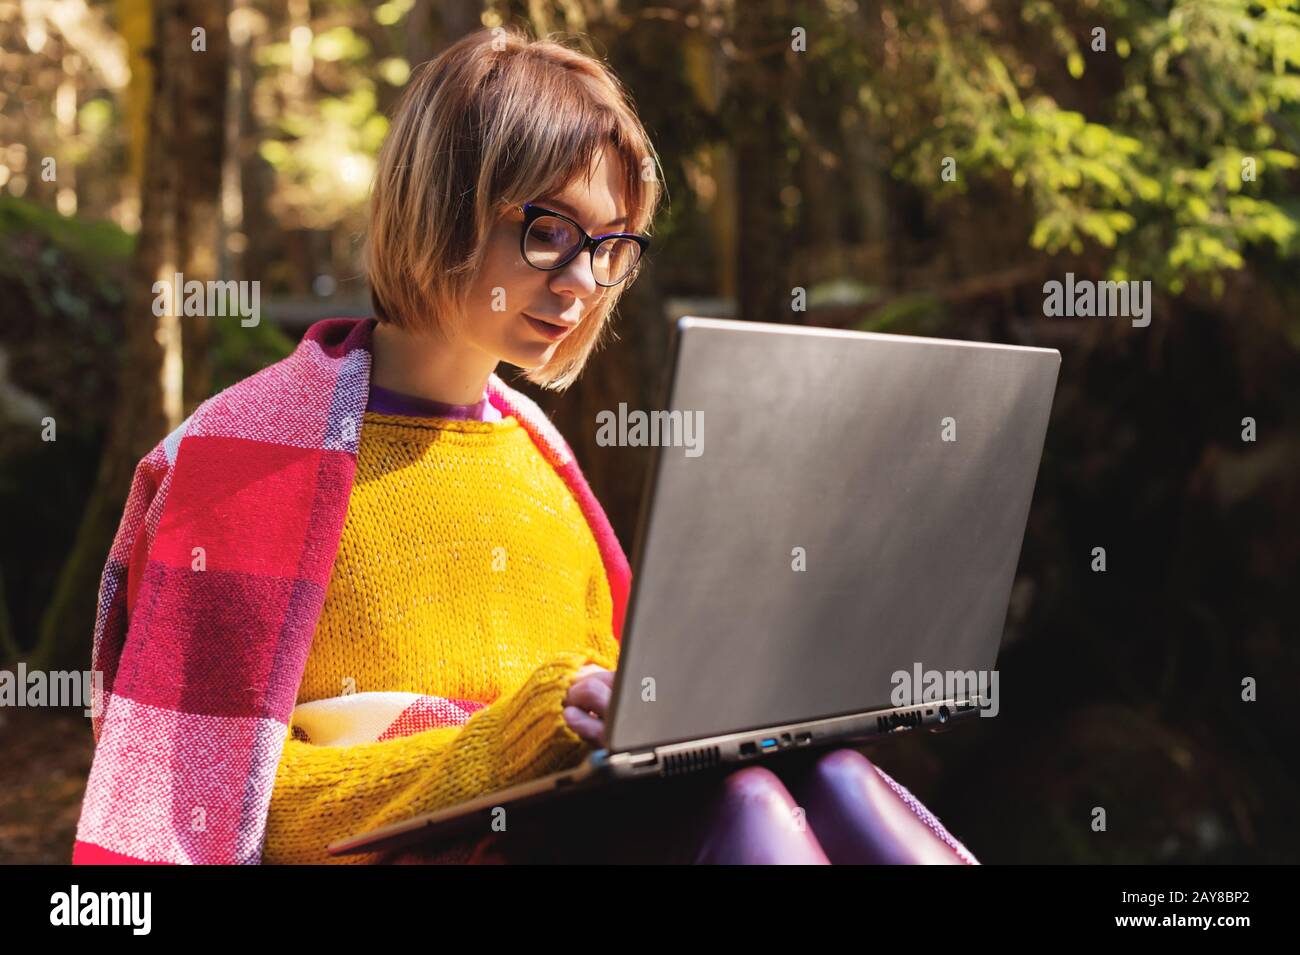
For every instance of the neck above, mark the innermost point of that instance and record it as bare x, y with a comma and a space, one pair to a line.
428, 366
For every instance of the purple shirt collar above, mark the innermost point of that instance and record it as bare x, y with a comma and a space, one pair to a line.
388, 402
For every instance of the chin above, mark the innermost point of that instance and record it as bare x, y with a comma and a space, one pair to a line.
529, 358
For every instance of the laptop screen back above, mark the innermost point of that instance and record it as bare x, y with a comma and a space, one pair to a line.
848, 505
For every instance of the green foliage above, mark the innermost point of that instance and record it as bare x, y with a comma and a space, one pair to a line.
61, 280
239, 351
325, 131
95, 242
921, 313
1182, 165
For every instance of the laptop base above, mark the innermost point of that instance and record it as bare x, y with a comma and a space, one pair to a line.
715, 755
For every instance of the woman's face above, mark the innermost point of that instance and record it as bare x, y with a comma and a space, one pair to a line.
508, 289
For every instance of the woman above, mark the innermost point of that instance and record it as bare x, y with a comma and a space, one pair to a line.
380, 547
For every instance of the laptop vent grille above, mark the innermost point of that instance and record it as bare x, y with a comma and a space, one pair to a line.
691, 760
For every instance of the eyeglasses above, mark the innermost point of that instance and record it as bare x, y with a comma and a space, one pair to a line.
551, 241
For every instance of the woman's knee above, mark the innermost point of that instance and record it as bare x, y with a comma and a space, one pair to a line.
757, 820
861, 815
841, 765
755, 782
832, 777
758, 789
844, 779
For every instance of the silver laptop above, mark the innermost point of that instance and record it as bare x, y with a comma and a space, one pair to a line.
827, 510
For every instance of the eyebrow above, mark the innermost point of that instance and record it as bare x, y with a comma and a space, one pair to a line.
567, 209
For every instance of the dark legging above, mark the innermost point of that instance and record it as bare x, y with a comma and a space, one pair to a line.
834, 807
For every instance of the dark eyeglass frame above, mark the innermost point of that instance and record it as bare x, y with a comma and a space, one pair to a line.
532, 212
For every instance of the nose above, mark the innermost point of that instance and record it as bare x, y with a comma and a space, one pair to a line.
576, 277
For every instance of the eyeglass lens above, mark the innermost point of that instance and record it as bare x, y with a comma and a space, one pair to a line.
551, 241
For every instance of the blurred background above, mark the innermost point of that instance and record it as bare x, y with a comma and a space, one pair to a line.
913, 167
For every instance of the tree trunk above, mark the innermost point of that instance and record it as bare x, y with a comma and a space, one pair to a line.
706, 75
200, 129
756, 122
150, 381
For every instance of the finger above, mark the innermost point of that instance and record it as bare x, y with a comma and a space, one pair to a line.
584, 724
590, 694
587, 674
583, 673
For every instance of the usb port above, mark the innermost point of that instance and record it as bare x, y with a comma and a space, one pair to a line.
769, 743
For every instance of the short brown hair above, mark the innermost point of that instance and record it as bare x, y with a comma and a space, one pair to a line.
496, 120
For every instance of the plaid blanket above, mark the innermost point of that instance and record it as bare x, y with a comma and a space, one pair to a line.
211, 593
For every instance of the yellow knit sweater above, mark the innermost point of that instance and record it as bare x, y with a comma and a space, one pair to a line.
466, 570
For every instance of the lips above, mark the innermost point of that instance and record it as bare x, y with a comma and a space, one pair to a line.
553, 332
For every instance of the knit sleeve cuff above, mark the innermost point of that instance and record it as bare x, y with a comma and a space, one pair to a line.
531, 736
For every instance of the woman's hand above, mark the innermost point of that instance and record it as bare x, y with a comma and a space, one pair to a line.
587, 702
